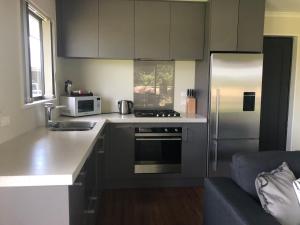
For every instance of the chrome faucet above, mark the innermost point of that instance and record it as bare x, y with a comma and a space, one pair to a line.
48, 113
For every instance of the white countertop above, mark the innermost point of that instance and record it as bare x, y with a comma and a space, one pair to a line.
117, 118
42, 157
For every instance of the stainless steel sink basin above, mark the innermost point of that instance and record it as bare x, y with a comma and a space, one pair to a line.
71, 126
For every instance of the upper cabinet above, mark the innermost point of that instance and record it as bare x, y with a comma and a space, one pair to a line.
77, 28
95, 29
237, 25
223, 25
124, 29
166, 30
251, 25
116, 29
152, 30
187, 30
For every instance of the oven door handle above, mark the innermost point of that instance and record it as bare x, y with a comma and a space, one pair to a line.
158, 139
167, 135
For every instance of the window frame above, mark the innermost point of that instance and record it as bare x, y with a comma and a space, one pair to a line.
28, 9
40, 20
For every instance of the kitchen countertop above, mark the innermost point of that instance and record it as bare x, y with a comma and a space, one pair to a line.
117, 118
43, 158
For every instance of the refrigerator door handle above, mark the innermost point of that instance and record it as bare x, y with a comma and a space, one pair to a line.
217, 130
215, 168
217, 112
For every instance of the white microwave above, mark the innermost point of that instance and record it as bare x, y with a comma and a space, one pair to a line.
80, 105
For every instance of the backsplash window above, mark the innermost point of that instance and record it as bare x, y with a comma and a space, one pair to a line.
154, 84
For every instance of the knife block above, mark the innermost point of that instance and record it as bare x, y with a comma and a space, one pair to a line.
190, 105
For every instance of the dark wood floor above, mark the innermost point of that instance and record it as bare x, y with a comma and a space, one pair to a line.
164, 206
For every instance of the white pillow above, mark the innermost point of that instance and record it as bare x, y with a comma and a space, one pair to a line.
277, 196
296, 185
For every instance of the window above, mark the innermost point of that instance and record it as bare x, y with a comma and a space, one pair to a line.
39, 79
154, 84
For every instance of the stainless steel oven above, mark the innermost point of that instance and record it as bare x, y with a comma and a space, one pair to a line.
158, 150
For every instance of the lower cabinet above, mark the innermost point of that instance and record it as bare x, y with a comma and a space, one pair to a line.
194, 157
120, 157
77, 200
85, 193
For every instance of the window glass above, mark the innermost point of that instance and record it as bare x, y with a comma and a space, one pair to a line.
154, 84
35, 49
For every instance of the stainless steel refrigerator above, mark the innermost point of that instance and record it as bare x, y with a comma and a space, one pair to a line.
235, 102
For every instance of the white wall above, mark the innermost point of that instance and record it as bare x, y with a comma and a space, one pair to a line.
113, 79
12, 72
288, 24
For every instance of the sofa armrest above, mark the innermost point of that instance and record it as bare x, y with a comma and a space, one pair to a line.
227, 204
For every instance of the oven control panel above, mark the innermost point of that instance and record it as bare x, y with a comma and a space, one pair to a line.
159, 130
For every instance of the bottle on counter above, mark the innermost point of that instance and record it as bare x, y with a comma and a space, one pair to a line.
191, 102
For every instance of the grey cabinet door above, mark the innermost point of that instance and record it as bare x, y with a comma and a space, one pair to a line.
77, 201
224, 25
152, 30
119, 158
194, 148
77, 28
187, 30
116, 29
251, 25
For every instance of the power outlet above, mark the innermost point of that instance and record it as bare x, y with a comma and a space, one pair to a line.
4, 121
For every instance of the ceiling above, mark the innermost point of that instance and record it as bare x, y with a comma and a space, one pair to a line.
283, 5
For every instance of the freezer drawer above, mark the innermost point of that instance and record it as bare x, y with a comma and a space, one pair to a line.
221, 152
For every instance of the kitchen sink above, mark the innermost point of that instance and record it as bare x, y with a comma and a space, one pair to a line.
71, 126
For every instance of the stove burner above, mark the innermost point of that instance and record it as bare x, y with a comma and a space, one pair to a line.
156, 113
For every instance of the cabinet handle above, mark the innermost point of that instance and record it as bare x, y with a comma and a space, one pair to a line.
83, 173
78, 184
185, 135
90, 211
93, 198
100, 152
101, 137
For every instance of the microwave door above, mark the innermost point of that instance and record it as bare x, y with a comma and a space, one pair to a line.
85, 106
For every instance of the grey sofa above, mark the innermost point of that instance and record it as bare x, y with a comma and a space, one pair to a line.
233, 201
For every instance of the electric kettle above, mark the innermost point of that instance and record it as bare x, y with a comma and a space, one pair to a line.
125, 107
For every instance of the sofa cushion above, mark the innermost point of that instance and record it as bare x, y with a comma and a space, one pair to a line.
296, 185
277, 196
225, 203
246, 166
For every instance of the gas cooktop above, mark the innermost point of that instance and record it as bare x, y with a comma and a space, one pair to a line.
156, 113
